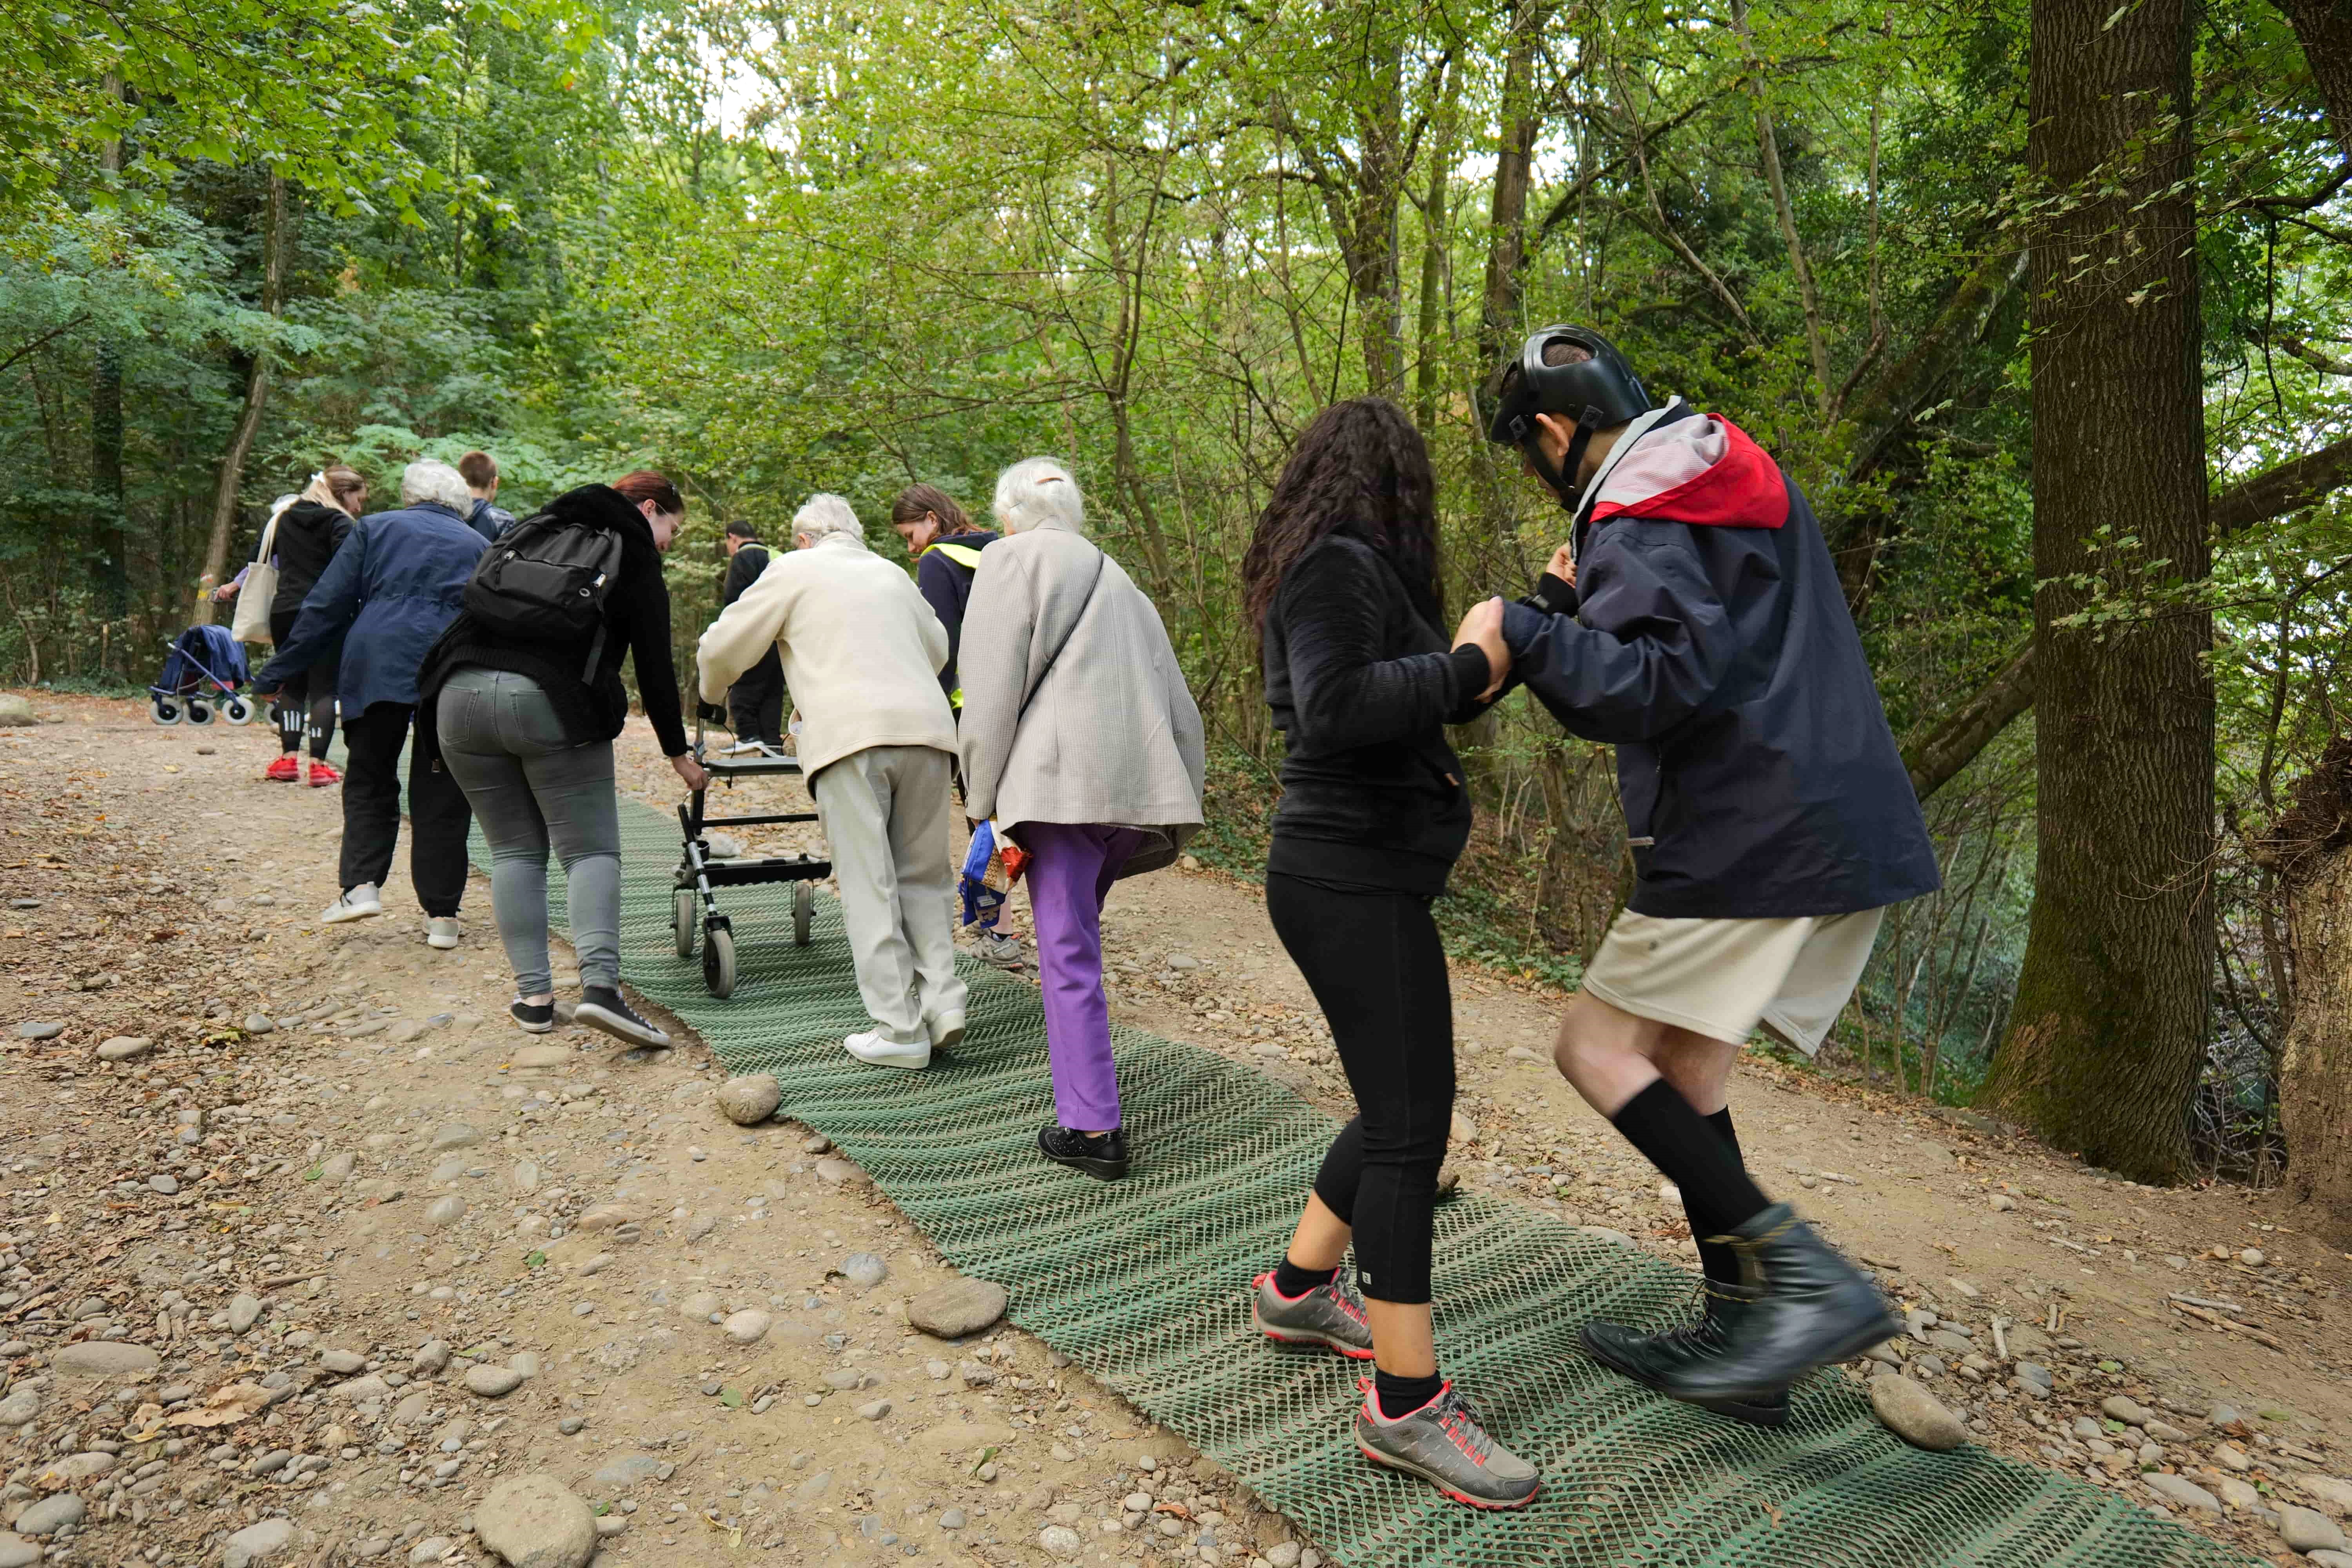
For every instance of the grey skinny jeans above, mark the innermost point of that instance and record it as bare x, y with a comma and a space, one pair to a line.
501, 741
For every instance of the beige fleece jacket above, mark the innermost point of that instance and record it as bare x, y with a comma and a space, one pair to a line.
861, 651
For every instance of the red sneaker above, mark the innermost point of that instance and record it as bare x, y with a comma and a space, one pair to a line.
285, 770
322, 774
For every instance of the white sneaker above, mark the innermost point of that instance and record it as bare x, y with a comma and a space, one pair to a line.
946, 1030
356, 904
441, 931
872, 1048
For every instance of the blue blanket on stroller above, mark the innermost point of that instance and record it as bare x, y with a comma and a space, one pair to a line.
202, 656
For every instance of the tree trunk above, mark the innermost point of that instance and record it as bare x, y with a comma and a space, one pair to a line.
1437, 214
1379, 189
2109, 1031
276, 220
2324, 29
2315, 1065
110, 532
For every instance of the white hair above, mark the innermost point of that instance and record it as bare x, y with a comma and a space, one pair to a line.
428, 480
1038, 490
822, 516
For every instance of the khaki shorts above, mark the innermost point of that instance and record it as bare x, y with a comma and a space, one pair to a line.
1724, 978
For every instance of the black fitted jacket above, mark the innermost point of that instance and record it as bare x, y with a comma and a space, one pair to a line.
307, 536
1361, 686
636, 625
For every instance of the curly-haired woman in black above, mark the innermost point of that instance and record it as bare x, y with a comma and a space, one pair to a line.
1342, 583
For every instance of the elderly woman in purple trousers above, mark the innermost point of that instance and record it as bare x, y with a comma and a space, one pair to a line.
1081, 742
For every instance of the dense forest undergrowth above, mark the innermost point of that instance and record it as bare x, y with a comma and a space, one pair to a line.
2044, 304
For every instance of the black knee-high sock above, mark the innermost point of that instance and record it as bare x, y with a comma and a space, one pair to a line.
1719, 1262
1691, 1153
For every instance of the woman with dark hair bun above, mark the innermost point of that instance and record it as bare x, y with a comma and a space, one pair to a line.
1342, 583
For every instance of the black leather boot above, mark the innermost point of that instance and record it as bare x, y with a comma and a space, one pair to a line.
1812, 1308
1648, 1358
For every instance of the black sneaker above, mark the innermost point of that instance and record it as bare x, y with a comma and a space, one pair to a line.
535, 1018
601, 1007
1102, 1155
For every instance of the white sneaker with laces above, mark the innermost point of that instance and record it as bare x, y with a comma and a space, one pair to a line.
872, 1048
356, 904
441, 931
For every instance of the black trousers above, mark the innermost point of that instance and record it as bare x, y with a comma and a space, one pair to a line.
438, 816
310, 693
755, 704
1378, 971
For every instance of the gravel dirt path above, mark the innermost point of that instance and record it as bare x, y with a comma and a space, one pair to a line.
257, 1285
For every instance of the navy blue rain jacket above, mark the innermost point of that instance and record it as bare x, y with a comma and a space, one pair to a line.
1715, 650
396, 583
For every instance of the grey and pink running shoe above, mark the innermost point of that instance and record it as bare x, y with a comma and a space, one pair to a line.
1330, 1315
1446, 1444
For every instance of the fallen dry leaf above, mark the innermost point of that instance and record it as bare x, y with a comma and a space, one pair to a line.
229, 1404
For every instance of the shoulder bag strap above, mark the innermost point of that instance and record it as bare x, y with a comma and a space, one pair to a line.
1038, 685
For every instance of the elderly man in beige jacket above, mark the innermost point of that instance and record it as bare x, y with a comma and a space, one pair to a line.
862, 653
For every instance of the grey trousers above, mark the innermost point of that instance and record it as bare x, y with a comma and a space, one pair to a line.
530, 787
884, 811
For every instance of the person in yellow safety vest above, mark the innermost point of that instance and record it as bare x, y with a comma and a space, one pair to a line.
946, 548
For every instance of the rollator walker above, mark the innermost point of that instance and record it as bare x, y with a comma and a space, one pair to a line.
699, 874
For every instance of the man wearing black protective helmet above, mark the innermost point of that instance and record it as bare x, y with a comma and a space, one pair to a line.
1696, 621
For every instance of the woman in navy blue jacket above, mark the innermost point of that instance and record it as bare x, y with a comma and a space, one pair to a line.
394, 585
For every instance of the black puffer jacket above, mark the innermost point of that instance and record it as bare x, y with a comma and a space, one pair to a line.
636, 625
1361, 686
307, 536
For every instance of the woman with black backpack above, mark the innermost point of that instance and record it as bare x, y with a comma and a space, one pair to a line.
522, 712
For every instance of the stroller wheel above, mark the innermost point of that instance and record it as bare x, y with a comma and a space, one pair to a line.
803, 912
718, 958
199, 712
681, 920
237, 710
165, 709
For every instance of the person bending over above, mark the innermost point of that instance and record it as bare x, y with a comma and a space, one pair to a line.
1341, 582
862, 652
525, 723
755, 704
1773, 823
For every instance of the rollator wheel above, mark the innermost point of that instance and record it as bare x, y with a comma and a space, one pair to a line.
718, 958
803, 912
165, 709
237, 710
681, 920
199, 712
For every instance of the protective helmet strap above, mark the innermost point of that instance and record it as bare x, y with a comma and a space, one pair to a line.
1563, 489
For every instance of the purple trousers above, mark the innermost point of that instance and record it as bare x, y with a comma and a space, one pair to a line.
1070, 875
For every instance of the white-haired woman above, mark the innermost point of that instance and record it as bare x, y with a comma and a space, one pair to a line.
394, 584
862, 654
1082, 742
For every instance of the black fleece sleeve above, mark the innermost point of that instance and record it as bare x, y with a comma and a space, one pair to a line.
1333, 602
649, 652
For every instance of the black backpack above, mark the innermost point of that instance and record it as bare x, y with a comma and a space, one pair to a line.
546, 581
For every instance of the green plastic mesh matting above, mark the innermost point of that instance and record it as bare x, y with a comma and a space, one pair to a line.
1145, 1284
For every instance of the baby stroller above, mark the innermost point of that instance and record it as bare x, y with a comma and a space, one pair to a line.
206, 664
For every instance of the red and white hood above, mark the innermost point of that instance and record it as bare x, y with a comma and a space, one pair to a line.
1700, 469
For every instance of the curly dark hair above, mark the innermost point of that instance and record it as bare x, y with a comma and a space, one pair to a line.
1359, 465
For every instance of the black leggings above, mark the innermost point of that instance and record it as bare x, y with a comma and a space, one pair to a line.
309, 695
1376, 969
